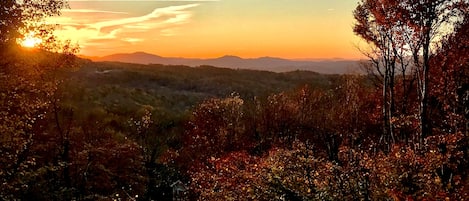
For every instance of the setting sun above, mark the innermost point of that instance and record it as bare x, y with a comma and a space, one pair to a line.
30, 41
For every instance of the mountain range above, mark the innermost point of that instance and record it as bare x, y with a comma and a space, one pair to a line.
338, 66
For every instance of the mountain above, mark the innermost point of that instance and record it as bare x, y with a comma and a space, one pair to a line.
263, 63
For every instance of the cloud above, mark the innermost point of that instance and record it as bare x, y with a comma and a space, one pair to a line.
132, 40
120, 28
174, 11
90, 11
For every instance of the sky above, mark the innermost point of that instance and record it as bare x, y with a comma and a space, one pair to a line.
292, 29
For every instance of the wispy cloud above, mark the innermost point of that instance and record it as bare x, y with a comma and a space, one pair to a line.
90, 11
120, 28
133, 40
173, 11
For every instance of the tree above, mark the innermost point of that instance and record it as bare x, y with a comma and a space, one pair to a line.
11, 20
378, 24
449, 88
19, 18
28, 97
216, 127
418, 26
428, 21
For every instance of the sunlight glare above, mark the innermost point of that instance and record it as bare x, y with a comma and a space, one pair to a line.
30, 41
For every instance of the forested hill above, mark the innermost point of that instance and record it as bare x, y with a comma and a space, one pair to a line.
328, 66
99, 130
123, 87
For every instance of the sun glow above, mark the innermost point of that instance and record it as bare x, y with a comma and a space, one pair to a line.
30, 41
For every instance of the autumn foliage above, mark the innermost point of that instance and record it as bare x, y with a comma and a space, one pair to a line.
329, 163
399, 132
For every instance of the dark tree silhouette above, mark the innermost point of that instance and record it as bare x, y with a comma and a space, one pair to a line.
21, 17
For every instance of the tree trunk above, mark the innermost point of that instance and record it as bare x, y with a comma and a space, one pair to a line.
392, 107
424, 124
385, 109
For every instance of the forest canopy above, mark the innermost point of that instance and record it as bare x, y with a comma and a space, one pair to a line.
73, 129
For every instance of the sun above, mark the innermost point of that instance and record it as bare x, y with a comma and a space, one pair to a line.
29, 41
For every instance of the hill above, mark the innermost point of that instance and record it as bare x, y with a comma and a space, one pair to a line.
122, 88
273, 64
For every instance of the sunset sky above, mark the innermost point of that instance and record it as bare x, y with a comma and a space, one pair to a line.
294, 29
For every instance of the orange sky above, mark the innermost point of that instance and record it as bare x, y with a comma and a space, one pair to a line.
296, 29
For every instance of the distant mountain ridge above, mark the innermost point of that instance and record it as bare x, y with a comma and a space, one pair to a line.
263, 63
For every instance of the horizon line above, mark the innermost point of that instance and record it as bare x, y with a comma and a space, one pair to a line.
228, 55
